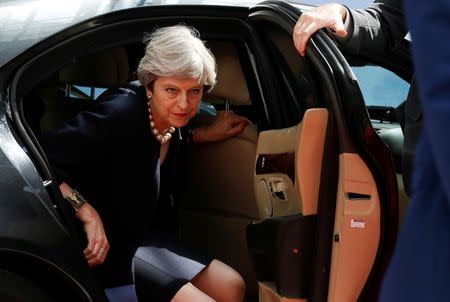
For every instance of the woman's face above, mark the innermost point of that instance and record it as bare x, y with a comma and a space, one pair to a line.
174, 101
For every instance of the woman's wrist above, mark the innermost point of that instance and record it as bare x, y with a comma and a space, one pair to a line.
70, 195
86, 213
76, 200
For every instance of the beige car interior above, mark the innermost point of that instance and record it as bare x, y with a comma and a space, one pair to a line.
223, 193
307, 141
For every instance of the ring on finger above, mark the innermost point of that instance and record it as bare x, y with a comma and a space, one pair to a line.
101, 251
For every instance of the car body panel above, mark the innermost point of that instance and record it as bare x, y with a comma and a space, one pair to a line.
29, 22
32, 239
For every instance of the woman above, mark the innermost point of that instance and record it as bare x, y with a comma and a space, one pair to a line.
121, 155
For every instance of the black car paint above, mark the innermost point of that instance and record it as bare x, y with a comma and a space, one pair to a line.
33, 239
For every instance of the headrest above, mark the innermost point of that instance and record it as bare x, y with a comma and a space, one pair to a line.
231, 84
108, 68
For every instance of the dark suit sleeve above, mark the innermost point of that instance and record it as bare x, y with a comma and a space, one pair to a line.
84, 141
377, 29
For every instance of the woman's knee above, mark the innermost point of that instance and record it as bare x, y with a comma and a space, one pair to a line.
190, 293
236, 286
221, 282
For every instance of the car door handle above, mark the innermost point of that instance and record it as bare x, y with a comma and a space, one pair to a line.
357, 196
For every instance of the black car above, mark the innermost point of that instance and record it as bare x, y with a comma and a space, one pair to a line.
304, 203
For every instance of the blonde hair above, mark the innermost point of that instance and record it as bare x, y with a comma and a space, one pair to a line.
177, 51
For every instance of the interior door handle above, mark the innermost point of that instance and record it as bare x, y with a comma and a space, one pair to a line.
278, 188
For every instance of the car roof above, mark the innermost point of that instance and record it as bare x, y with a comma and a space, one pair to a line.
24, 23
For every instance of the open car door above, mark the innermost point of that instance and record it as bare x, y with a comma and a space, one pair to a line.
327, 184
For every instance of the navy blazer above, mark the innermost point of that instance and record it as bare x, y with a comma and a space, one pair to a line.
420, 268
110, 156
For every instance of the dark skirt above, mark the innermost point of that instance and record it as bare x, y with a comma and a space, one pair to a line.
163, 265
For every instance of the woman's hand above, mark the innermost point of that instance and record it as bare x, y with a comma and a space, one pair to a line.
98, 245
226, 124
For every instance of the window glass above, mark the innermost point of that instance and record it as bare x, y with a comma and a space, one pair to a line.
86, 93
380, 87
207, 108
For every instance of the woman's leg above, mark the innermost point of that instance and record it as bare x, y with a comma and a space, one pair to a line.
190, 293
220, 282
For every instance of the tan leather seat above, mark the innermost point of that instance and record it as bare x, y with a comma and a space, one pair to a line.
231, 85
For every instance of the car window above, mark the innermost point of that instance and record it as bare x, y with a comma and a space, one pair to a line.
380, 87
207, 108
84, 92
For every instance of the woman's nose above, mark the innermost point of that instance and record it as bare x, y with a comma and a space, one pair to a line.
183, 101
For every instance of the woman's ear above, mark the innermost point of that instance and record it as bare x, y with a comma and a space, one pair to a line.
148, 91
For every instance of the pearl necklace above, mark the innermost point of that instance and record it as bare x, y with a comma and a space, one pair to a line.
164, 136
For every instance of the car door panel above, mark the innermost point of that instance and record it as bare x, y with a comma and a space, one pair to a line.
363, 209
356, 230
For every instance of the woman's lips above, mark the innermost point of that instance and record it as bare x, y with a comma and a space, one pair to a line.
180, 115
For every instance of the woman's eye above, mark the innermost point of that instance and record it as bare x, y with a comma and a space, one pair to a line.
196, 91
170, 90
